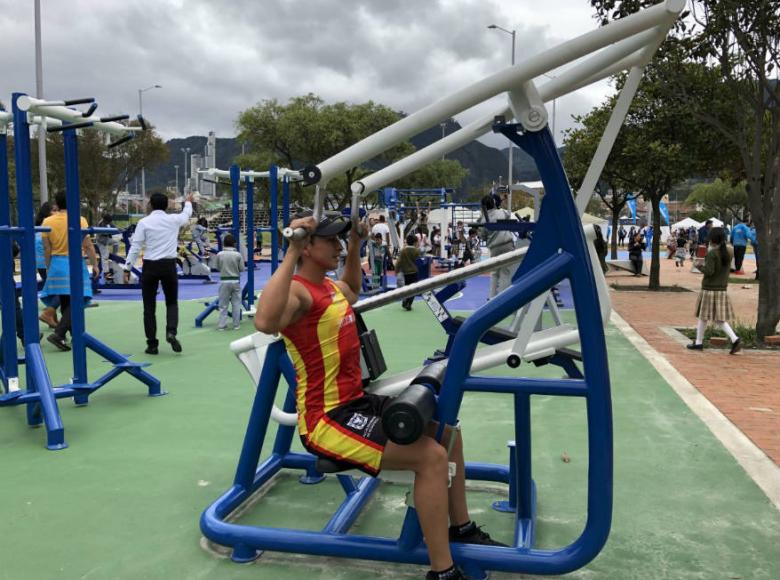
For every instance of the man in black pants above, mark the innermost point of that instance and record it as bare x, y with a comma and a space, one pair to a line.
158, 234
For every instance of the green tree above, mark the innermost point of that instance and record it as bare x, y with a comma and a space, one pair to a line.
720, 198
734, 45
307, 131
581, 144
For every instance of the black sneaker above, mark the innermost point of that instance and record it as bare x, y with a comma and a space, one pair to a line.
58, 342
175, 344
736, 346
151, 350
454, 573
471, 533
694, 346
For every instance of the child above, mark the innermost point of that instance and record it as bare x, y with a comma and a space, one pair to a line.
376, 259
682, 251
406, 264
200, 235
713, 303
230, 265
473, 252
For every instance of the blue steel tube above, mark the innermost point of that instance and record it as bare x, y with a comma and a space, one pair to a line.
7, 284
250, 241
75, 259
285, 207
273, 188
235, 186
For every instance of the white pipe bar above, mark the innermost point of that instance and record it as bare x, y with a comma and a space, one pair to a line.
5, 119
554, 89
281, 173
608, 138
39, 107
441, 280
495, 84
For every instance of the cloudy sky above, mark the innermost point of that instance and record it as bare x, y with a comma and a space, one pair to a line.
215, 58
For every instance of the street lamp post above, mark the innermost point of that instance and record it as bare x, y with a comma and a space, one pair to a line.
141, 113
176, 167
513, 34
443, 129
186, 152
43, 178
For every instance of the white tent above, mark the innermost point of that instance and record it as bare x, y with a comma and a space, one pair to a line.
685, 224
716, 222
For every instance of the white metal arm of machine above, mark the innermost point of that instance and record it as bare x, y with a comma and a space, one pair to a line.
57, 110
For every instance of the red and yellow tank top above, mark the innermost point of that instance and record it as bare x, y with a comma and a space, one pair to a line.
325, 350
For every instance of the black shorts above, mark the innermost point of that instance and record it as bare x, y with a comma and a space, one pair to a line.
351, 434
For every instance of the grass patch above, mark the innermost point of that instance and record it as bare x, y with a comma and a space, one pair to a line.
634, 288
733, 280
745, 332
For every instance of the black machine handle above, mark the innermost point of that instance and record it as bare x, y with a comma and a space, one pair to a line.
65, 127
82, 101
88, 113
121, 141
114, 118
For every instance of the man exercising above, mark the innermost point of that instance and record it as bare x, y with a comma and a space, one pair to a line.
336, 418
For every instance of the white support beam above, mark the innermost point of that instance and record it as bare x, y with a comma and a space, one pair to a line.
39, 107
281, 173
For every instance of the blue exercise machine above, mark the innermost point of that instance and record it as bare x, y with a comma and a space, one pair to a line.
236, 175
40, 395
558, 251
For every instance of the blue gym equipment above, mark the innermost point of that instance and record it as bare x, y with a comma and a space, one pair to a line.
558, 251
236, 175
40, 395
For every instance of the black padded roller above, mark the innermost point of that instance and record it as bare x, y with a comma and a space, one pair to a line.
432, 375
406, 417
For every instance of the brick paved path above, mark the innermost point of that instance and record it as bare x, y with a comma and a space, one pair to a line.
745, 387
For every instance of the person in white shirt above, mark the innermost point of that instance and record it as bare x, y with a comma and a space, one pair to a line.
158, 234
381, 227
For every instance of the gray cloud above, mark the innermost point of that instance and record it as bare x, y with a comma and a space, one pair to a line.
215, 59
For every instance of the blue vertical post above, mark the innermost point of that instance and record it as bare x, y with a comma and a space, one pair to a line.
250, 241
36, 373
75, 259
273, 188
7, 284
235, 186
285, 207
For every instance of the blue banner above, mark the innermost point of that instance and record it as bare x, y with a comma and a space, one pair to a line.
632, 207
664, 212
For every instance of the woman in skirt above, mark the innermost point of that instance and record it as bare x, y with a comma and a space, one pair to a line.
713, 304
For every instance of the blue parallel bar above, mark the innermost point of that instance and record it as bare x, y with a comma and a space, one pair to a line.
7, 283
36, 366
235, 183
530, 386
273, 188
250, 242
349, 510
75, 260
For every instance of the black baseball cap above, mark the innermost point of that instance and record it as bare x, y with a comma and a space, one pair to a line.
331, 224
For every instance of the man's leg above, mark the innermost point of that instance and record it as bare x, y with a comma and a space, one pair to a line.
57, 338
428, 460
739, 256
149, 282
235, 301
170, 286
223, 300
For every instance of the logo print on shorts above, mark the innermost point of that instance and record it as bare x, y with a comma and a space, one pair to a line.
357, 422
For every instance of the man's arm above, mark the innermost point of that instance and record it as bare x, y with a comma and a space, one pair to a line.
136, 243
186, 213
352, 279
283, 303
88, 247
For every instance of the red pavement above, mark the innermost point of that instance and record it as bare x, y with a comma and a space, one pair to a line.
745, 387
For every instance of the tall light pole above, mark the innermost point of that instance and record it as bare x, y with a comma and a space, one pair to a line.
42, 177
513, 34
186, 152
176, 167
443, 133
141, 112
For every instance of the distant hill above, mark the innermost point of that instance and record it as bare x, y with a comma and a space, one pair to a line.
484, 163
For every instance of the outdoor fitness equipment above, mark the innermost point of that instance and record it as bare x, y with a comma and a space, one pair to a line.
40, 396
559, 250
274, 175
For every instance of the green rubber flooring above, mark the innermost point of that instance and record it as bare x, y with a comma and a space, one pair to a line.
123, 501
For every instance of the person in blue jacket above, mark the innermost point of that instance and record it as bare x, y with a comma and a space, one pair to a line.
753, 237
740, 235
